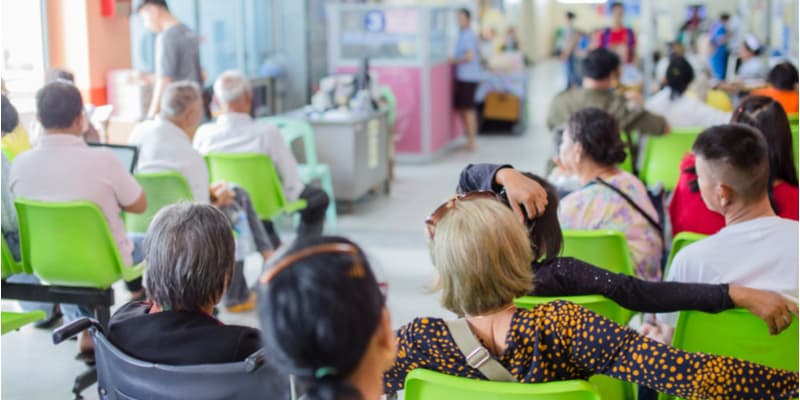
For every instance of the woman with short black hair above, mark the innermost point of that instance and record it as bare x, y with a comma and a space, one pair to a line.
324, 319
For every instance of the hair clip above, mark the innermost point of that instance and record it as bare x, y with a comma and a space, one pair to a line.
324, 372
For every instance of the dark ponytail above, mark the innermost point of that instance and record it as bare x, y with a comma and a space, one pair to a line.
319, 311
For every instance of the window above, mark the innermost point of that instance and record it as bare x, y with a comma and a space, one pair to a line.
23, 66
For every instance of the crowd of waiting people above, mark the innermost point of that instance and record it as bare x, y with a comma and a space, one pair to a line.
323, 314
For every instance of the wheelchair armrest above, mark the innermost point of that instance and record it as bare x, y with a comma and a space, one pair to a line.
73, 328
254, 361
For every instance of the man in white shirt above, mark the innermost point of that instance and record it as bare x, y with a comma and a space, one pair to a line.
165, 144
62, 168
235, 131
756, 248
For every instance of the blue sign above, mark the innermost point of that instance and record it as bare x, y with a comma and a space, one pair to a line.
375, 21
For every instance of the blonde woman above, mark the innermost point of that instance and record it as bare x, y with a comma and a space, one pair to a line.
483, 257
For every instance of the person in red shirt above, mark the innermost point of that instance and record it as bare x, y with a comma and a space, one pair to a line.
619, 38
688, 212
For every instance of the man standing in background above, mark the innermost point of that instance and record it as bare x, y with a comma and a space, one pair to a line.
177, 49
468, 74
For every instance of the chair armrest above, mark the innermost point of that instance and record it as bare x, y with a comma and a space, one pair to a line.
73, 328
136, 271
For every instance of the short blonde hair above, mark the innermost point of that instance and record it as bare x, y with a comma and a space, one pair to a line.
483, 256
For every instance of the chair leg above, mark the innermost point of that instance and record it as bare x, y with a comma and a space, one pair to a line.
330, 213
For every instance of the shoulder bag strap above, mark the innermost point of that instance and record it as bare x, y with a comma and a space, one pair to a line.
477, 356
633, 204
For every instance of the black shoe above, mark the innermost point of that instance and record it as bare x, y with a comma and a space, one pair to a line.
49, 323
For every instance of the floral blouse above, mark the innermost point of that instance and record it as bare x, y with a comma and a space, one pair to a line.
598, 207
561, 340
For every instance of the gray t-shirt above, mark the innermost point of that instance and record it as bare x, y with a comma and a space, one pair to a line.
178, 54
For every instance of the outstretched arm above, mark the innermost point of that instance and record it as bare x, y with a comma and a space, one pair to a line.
621, 353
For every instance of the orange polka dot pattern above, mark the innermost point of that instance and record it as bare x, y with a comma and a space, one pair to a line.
562, 340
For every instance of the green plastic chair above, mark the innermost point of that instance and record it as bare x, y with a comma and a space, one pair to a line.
256, 174
293, 129
794, 118
11, 321
680, 241
424, 384
70, 244
663, 155
627, 165
391, 102
161, 189
606, 249
609, 387
736, 333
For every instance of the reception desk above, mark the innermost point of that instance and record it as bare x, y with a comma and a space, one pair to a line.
355, 147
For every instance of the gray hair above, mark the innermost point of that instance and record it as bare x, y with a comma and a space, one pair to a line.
231, 85
190, 252
178, 97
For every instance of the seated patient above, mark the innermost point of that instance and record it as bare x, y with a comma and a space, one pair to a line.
189, 251
324, 319
782, 88
756, 247
473, 237
567, 276
688, 212
680, 109
63, 168
610, 197
235, 131
165, 144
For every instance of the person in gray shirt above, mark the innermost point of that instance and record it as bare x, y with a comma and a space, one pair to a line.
177, 49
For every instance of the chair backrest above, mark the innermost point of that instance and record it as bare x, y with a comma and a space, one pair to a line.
293, 129
662, 157
161, 189
121, 377
737, 333
606, 249
680, 241
256, 174
423, 384
68, 243
595, 302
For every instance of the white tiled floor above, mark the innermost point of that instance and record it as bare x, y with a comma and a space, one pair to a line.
389, 228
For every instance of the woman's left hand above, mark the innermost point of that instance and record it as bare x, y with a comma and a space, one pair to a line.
522, 192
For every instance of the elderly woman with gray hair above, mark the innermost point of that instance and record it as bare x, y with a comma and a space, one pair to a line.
165, 144
189, 250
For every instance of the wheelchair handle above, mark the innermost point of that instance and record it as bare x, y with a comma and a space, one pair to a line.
73, 328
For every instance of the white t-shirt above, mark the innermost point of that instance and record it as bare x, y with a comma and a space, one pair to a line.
63, 168
761, 254
239, 133
685, 111
754, 69
163, 146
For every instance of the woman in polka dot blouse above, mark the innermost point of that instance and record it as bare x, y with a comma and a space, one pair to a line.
483, 258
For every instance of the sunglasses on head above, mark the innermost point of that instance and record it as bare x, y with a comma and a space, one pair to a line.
440, 211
